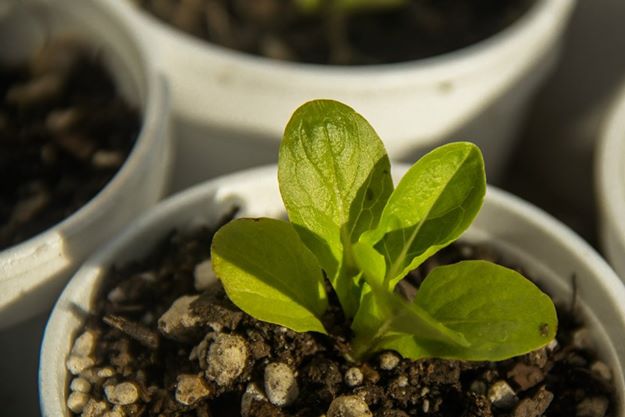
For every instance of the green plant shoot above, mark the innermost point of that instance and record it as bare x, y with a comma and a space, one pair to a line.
347, 6
348, 222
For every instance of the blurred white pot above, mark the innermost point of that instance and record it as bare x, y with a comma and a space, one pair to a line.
230, 108
33, 272
522, 233
610, 182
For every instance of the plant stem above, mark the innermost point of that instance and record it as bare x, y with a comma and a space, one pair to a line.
336, 33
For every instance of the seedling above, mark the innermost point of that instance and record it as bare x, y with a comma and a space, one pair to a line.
350, 225
346, 6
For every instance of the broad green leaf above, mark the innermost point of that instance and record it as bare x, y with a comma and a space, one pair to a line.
433, 204
334, 178
315, 6
268, 272
382, 313
498, 311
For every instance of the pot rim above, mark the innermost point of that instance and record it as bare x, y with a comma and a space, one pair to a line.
610, 168
55, 347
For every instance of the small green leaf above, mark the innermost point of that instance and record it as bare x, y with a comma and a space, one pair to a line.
382, 313
268, 272
334, 178
500, 313
434, 203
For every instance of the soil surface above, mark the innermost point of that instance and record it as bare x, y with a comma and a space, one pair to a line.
163, 343
64, 133
277, 29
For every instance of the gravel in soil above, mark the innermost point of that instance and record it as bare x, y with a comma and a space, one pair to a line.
64, 132
276, 29
158, 346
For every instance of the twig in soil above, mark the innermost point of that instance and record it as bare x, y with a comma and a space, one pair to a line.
336, 34
140, 333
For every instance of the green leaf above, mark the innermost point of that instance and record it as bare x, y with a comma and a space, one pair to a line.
500, 313
382, 313
268, 272
434, 203
334, 177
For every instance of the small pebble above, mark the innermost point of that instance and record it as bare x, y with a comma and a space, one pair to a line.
226, 359
538, 358
553, 345
107, 159
425, 406
479, 387
349, 406
91, 375
252, 393
179, 321
592, 407
116, 296
105, 372
601, 370
353, 377
36, 91
80, 385
77, 401
526, 376
388, 361
80, 147
275, 48
280, 384
77, 364
535, 406
191, 389
203, 275
94, 408
501, 395
122, 394
62, 120
573, 359
29, 207
582, 339
84, 344
402, 381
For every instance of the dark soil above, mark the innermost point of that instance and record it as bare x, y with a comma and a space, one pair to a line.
276, 28
64, 133
563, 380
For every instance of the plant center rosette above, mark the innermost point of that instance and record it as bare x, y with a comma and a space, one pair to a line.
356, 306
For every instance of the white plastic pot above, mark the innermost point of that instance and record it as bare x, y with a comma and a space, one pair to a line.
231, 108
521, 232
33, 272
610, 176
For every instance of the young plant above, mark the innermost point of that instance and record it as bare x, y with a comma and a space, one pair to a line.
335, 16
346, 6
347, 220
